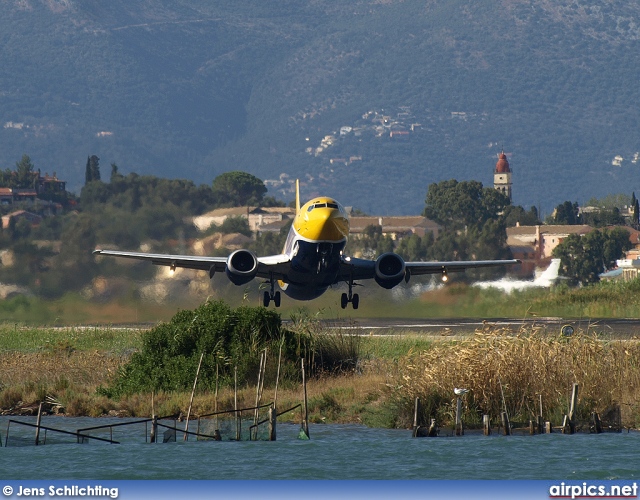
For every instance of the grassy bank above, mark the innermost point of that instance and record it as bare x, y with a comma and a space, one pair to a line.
499, 367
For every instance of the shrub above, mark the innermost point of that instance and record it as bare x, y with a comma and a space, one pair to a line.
229, 339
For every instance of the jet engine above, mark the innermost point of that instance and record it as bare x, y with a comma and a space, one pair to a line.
390, 270
242, 266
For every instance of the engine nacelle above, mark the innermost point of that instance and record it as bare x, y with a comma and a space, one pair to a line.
390, 270
242, 267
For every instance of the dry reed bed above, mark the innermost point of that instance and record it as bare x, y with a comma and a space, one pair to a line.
522, 366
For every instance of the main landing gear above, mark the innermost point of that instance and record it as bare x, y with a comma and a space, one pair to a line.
267, 297
354, 298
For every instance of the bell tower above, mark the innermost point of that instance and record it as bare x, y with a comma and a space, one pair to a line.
502, 175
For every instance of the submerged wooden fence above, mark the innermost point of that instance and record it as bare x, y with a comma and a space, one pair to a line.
611, 422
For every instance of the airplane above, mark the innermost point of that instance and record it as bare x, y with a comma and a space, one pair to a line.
312, 259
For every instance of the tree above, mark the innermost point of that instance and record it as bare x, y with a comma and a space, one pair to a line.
583, 259
566, 213
92, 170
458, 204
24, 173
514, 215
238, 189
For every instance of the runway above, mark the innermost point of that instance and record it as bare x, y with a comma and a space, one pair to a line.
625, 328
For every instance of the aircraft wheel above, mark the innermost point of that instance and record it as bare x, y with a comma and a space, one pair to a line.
276, 299
355, 300
266, 299
344, 300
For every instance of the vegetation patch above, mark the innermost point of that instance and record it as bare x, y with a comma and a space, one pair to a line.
503, 370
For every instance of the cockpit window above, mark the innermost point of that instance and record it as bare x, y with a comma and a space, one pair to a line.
322, 205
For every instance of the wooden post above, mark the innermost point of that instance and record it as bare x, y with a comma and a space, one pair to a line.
573, 409
505, 423
215, 402
235, 401
540, 425
263, 362
458, 430
433, 428
532, 427
38, 424
154, 428
486, 425
272, 423
548, 428
275, 395
416, 409
305, 423
597, 424
566, 425
193, 391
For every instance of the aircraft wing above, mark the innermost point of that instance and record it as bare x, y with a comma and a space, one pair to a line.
366, 269
276, 265
419, 268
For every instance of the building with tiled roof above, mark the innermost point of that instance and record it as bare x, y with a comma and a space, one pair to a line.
396, 227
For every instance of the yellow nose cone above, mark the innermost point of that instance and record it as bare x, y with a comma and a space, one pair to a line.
323, 224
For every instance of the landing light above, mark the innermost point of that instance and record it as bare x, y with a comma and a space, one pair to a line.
445, 278
172, 269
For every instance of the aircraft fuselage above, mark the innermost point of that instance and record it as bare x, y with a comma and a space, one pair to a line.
315, 243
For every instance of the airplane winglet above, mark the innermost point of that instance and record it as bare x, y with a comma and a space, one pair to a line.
297, 196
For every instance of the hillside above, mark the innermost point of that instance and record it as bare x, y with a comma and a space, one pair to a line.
191, 89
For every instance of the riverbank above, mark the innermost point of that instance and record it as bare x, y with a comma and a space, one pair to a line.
500, 367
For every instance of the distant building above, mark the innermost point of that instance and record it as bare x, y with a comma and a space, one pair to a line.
33, 219
396, 227
256, 216
534, 245
502, 175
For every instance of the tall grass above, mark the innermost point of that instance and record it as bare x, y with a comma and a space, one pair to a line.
523, 367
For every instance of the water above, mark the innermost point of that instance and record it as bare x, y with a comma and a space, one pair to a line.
334, 452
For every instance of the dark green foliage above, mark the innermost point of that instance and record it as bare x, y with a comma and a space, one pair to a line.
583, 259
473, 220
229, 338
514, 215
238, 189
566, 213
92, 170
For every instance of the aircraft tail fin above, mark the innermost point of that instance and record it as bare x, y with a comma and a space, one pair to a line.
297, 196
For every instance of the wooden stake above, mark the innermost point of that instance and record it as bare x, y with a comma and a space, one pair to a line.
215, 401
486, 425
433, 428
275, 396
154, 428
193, 391
548, 428
597, 424
305, 423
235, 401
573, 409
416, 409
505, 423
272, 423
458, 430
38, 424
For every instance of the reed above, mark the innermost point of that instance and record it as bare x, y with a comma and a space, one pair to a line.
523, 365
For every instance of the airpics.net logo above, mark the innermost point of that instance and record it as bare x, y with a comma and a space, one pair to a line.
586, 490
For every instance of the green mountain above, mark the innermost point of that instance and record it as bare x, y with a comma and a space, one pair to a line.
367, 100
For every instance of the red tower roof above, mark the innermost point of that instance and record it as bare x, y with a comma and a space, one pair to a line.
502, 167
